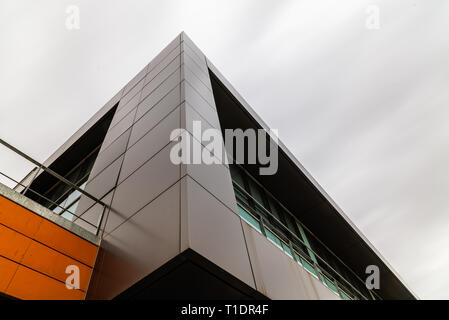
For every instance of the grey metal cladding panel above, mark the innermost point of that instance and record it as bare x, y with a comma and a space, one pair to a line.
200, 62
145, 184
155, 114
323, 292
167, 61
215, 178
196, 70
214, 231
131, 94
189, 116
123, 112
199, 86
135, 80
109, 154
142, 244
117, 130
87, 203
275, 278
168, 71
106, 180
149, 144
156, 60
277, 275
192, 45
93, 214
200, 105
149, 101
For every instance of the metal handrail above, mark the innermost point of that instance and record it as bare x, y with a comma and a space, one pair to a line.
59, 178
51, 172
46, 199
296, 238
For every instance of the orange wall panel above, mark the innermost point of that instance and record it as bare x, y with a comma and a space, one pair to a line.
13, 245
34, 255
7, 270
31, 285
66, 242
18, 218
54, 264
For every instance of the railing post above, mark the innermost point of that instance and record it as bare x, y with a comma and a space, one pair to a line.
262, 226
290, 244
101, 221
32, 180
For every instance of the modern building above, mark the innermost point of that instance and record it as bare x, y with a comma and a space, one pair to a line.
111, 202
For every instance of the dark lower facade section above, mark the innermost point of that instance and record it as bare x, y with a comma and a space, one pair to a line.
190, 276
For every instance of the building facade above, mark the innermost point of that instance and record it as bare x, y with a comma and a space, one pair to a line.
139, 225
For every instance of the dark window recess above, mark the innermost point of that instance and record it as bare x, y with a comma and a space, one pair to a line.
255, 205
75, 165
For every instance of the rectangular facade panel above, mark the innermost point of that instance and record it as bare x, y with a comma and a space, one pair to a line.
200, 105
156, 114
151, 179
170, 73
159, 93
151, 143
166, 51
35, 254
140, 245
107, 156
277, 275
166, 66
214, 231
31, 285
117, 130
106, 180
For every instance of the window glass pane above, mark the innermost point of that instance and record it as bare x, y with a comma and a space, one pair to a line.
72, 196
241, 197
59, 208
345, 296
237, 176
73, 207
292, 225
286, 249
56, 194
68, 215
298, 258
274, 208
260, 210
256, 192
330, 284
309, 267
249, 218
273, 238
83, 185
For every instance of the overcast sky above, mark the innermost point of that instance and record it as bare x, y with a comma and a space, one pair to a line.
366, 111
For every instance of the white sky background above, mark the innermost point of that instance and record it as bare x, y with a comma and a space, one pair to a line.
365, 111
